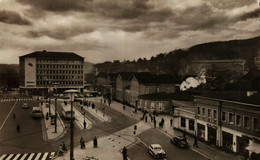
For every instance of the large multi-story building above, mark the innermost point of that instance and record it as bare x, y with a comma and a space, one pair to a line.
229, 119
42, 71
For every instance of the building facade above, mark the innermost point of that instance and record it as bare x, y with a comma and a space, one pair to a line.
42, 71
122, 82
229, 120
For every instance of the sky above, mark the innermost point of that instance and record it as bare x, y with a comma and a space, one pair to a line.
107, 30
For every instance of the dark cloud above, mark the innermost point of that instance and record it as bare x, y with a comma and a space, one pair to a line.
60, 33
12, 17
250, 14
57, 5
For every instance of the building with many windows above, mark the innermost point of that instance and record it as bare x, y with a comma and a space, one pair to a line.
229, 120
42, 71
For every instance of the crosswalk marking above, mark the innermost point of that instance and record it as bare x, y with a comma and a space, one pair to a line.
16, 157
28, 156
20, 99
44, 156
3, 156
9, 157
23, 157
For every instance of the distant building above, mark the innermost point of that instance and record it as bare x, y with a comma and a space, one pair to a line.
122, 82
146, 83
229, 120
257, 60
42, 71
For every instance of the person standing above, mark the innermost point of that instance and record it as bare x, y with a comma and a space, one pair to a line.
18, 129
84, 124
82, 143
195, 142
64, 146
14, 116
95, 142
124, 152
171, 122
154, 123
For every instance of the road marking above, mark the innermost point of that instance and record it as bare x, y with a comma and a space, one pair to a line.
38, 156
3, 156
9, 157
23, 157
16, 157
8, 116
30, 158
45, 155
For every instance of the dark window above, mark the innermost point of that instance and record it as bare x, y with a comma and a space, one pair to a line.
231, 118
198, 110
223, 116
256, 124
238, 119
203, 112
209, 113
246, 121
191, 125
214, 114
183, 123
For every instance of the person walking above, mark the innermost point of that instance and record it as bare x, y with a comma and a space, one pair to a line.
171, 122
95, 142
64, 146
82, 143
14, 116
84, 124
154, 123
18, 129
124, 152
145, 118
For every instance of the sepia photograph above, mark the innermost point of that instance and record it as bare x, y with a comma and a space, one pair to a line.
129, 79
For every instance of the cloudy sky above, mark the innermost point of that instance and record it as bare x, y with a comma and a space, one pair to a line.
102, 30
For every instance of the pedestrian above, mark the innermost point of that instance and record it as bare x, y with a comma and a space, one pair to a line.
124, 152
64, 146
95, 142
60, 151
101, 100
18, 129
82, 143
154, 123
81, 107
93, 106
84, 124
123, 107
105, 101
171, 122
145, 118
195, 142
14, 116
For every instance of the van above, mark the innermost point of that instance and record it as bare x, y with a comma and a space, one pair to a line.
37, 112
66, 112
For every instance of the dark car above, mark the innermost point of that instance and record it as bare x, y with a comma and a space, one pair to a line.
180, 141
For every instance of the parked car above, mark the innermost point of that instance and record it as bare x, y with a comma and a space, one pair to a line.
156, 151
25, 106
180, 141
37, 112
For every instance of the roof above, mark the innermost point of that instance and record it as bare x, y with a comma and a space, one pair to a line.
235, 96
148, 78
126, 75
51, 54
162, 96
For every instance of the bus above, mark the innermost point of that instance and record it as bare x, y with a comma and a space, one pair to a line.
37, 112
66, 111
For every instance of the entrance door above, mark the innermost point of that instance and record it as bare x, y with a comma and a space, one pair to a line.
212, 135
227, 141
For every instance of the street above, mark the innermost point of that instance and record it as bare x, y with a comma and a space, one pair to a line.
155, 136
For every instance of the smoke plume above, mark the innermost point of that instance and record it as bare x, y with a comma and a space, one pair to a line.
192, 82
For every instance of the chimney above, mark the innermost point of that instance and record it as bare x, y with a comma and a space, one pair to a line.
250, 93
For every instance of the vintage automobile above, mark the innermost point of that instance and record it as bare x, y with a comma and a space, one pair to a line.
180, 141
156, 151
25, 106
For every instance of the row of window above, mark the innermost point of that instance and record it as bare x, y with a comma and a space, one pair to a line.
59, 72
61, 83
56, 61
59, 77
238, 120
191, 123
209, 113
59, 66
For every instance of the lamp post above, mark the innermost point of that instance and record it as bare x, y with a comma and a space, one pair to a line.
71, 92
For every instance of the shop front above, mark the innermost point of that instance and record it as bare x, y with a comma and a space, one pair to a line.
212, 135
227, 141
201, 132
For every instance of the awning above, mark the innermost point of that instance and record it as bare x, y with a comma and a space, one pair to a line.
254, 147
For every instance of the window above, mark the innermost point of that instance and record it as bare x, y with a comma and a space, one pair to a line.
209, 113
183, 124
230, 118
214, 114
223, 116
146, 90
168, 90
191, 125
198, 111
203, 112
246, 121
238, 119
157, 90
256, 124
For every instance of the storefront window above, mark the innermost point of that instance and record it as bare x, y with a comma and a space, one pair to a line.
201, 131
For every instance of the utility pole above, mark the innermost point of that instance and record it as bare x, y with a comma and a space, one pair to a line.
55, 114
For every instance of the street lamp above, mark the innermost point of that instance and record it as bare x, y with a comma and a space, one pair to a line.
72, 93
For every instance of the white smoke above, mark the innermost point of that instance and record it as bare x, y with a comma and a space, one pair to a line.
192, 82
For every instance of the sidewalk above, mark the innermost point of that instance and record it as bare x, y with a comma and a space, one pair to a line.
203, 149
110, 146
48, 129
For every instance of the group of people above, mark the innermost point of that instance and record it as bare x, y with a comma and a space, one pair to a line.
62, 149
106, 101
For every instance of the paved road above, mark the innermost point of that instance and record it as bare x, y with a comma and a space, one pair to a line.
30, 138
139, 152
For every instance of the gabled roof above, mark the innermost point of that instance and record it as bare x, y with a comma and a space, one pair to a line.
148, 78
126, 75
162, 96
234, 96
54, 55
